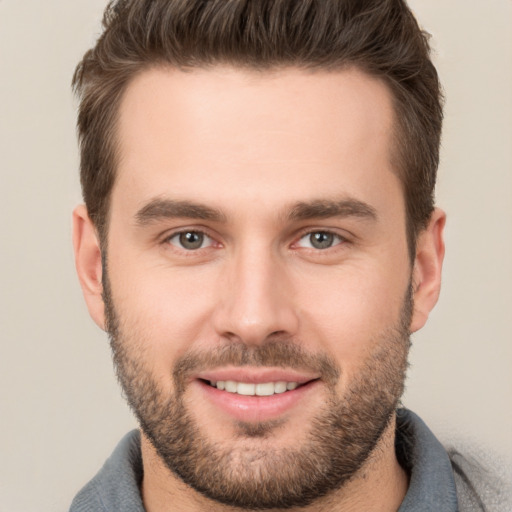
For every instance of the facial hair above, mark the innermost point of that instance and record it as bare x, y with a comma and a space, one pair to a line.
340, 438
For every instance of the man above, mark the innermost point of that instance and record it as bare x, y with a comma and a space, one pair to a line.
259, 239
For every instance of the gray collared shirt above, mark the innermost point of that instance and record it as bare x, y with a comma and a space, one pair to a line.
432, 486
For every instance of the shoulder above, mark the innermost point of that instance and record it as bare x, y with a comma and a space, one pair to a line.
483, 481
88, 499
460, 479
115, 488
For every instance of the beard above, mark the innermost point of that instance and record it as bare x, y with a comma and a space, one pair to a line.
251, 473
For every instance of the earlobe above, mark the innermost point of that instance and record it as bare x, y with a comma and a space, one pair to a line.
88, 263
426, 278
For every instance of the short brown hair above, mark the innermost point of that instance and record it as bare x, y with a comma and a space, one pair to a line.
380, 37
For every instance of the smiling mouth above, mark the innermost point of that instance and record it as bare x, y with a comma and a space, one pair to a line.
252, 389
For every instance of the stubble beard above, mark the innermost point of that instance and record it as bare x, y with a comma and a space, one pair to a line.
341, 437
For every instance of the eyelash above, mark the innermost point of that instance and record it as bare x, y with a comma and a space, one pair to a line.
341, 240
176, 234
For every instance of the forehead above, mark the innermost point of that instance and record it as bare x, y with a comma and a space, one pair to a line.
288, 134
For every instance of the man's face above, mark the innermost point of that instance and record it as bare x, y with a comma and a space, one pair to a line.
257, 243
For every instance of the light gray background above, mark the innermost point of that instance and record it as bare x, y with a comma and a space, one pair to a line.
60, 408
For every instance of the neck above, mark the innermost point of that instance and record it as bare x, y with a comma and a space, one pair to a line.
380, 485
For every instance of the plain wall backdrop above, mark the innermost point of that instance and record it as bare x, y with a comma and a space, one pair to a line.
61, 412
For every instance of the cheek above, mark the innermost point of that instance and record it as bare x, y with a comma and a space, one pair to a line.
349, 311
162, 311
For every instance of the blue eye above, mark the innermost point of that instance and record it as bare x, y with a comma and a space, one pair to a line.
190, 240
320, 240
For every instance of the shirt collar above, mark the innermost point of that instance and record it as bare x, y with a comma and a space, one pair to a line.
431, 486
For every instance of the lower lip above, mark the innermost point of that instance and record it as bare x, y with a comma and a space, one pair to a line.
254, 409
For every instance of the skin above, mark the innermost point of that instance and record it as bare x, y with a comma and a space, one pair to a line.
251, 145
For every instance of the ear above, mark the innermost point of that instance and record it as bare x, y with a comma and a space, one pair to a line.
88, 263
426, 276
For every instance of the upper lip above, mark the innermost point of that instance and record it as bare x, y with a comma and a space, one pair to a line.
256, 375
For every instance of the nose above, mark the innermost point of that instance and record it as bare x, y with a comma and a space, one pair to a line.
255, 298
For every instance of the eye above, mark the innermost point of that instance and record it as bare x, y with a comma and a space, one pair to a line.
320, 240
190, 240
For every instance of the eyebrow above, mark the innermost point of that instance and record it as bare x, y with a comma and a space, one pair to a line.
160, 209
322, 208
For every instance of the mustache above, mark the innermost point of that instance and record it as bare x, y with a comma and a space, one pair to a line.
273, 353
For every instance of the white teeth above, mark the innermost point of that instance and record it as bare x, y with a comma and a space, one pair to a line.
230, 386
248, 389
266, 389
280, 387
242, 388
